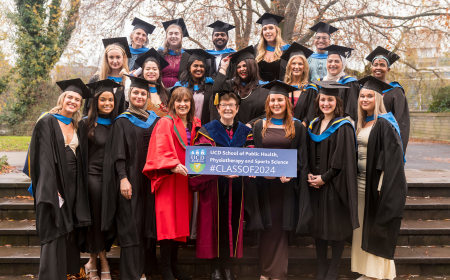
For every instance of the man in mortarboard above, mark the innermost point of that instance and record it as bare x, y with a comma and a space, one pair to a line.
394, 98
139, 40
220, 41
318, 60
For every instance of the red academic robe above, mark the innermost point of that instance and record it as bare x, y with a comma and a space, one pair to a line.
207, 186
173, 198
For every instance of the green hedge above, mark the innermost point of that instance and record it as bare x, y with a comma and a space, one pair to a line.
441, 100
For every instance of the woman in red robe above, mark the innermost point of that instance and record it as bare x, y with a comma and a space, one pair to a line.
165, 168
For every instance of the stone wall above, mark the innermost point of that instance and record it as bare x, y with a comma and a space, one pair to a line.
430, 126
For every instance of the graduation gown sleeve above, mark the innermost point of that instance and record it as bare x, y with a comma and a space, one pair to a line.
383, 211
395, 101
304, 109
350, 97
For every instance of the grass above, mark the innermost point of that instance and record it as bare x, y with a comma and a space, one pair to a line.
14, 143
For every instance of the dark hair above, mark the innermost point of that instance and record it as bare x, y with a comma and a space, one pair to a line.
230, 95
338, 111
186, 76
252, 81
178, 94
162, 91
93, 114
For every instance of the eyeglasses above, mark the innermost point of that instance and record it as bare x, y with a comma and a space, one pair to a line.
321, 37
224, 106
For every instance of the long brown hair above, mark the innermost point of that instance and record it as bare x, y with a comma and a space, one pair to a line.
338, 110
166, 43
105, 69
178, 94
305, 75
162, 91
253, 79
288, 119
93, 114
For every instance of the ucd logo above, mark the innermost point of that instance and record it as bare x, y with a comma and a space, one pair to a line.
198, 160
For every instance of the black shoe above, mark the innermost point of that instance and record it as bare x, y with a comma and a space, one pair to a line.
229, 275
216, 275
167, 273
178, 274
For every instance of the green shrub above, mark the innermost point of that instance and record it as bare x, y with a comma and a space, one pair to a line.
441, 100
3, 162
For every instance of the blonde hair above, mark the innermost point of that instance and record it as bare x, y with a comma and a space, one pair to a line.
288, 79
76, 117
105, 69
362, 114
146, 40
263, 44
288, 121
166, 43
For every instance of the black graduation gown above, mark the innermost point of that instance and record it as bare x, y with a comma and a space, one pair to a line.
134, 218
383, 212
334, 204
297, 208
252, 106
119, 95
395, 101
48, 172
93, 156
304, 109
212, 67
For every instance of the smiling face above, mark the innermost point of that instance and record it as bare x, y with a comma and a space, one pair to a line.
269, 32
241, 69
380, 69
174, 36
71, 103
182, 106
327, 104
138, 97
334, 64
227, 108
151, 71
115, 59
297, 66
138, 38
277, 104
105, 103
197, 70
321, 41
367, 100
220, 40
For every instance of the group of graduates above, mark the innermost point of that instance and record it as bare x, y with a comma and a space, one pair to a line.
115, 169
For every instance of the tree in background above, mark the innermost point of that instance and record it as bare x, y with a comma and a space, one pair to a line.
43, 30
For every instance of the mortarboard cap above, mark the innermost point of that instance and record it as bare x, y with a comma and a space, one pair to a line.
219, 95
340, 50
104, 85
152, 53
139, 82
382, 52
120, 41
75, 85
140, 24
220, 26
278, 87
329, 87
372, 83
179, 22
246, 53
269, 18
323, 27
296, 49
199, 54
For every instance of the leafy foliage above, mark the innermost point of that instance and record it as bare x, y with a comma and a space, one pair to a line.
441, 100
44, 30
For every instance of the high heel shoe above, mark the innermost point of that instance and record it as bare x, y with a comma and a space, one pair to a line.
88, 273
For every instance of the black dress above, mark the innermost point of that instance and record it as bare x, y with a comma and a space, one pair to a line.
269, 71
97, 240
125, 156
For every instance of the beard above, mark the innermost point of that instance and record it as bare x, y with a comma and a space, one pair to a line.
220, 44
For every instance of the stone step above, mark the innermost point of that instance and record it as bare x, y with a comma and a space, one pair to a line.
412, 233
417, 187
419, 261
416, 208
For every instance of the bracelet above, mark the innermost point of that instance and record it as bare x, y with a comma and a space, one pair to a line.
223, 69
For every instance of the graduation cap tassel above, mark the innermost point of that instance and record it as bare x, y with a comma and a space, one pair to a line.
216, 100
